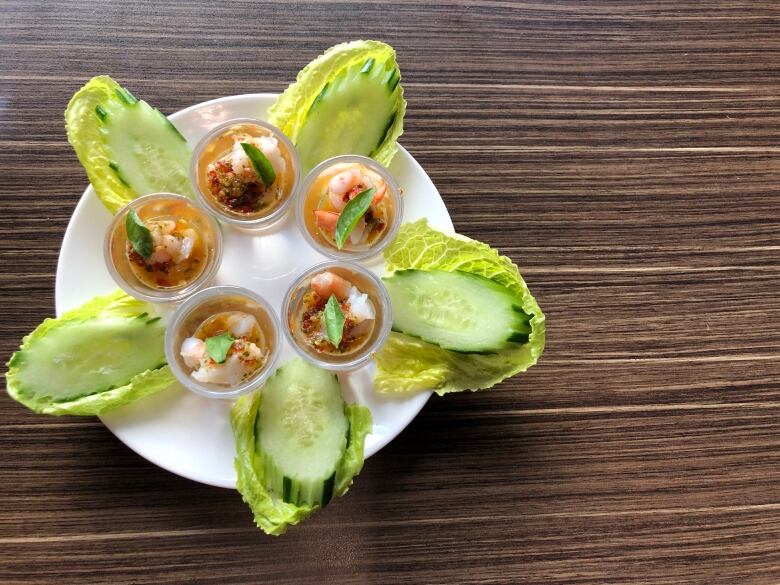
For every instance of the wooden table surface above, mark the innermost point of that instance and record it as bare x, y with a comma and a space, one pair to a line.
624, 154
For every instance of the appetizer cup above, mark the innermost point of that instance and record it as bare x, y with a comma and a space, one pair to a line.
214, 313
362, 302
331, 192
183, 241
246, 172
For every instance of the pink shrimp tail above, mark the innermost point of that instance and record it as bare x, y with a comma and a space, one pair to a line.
327, 283
326, 220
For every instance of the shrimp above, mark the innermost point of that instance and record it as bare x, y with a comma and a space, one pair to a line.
189, 237
270, 147
242, 165
326, 220
360, 306
193, 351
168, 245
381, 189
241, 324
341, 186
165, 227
348, 184
244, 357
326, 284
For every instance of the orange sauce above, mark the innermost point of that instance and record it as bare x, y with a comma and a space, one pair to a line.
170, 275
211, 318
305, 315
317, 200
217, 324
221, 146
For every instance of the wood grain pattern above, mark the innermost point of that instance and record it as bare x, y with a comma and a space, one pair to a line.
626, 155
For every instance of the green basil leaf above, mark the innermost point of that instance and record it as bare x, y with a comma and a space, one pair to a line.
334, 320
218, 346
139, 235
353, 211
262, 165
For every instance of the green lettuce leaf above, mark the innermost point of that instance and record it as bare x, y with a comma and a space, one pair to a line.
360, 426
106, 353
271, 513
349, 100
406, 364
127, 147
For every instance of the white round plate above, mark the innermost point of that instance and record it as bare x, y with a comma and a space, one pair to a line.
188, 434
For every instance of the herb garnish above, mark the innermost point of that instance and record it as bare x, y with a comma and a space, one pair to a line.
218, 346
139, 235
353, 211
261, 164
334, 320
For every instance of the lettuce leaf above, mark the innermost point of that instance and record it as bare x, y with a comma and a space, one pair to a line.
106, 353
406, 364
271, 513
349, 100
127, 147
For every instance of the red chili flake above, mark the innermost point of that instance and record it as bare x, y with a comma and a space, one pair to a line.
232, 192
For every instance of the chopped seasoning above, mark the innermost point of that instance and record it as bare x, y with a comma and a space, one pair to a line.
235, 192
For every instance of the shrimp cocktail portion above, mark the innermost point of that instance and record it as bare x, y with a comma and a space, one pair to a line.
337, 315
246, 171
177, 254
357, 313
236, 349
350, 207
162, 247
223, 341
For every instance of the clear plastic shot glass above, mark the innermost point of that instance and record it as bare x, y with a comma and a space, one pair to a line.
363, 301
213, 312
225, 179
186, 252
326, 191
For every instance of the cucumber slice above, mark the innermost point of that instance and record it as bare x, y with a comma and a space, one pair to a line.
82, 358
287, 438
127, 147
458, 311
302, 434
101, 355
347, 101
354, 111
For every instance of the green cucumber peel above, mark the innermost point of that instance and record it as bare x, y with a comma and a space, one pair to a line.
261, 164
170, 125
118, 172
334, 321
125, 95
138, 234
353, 211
